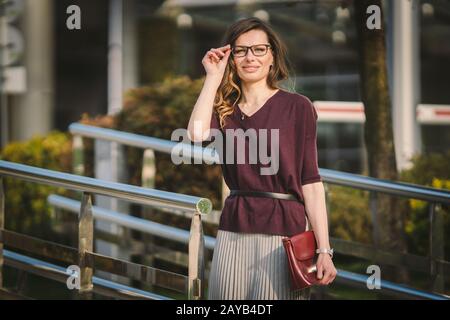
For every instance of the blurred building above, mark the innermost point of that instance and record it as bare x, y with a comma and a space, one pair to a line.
58, 74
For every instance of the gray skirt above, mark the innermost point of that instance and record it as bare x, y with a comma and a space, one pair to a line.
249, 266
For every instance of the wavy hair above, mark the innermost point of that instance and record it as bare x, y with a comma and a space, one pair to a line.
229, 91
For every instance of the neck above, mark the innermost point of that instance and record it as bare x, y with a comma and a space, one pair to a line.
254, 94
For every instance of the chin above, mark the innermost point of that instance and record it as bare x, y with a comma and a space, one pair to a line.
250, 80
252, 77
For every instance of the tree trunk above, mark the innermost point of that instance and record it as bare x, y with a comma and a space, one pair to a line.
378, 134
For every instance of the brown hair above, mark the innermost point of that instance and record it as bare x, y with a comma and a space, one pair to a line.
229, 91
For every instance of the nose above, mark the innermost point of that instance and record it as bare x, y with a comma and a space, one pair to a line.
249, 54
249, 58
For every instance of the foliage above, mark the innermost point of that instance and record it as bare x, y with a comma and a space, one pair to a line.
428, 170
26, 205
349, 214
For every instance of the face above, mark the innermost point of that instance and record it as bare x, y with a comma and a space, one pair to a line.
251, 68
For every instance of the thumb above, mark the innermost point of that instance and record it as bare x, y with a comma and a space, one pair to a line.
224, 60
227, 54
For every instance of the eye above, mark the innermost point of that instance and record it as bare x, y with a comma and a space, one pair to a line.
239, 51
260, 49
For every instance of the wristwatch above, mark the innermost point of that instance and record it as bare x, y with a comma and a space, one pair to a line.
329, 251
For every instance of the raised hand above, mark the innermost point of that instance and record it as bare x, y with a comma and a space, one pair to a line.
215, 61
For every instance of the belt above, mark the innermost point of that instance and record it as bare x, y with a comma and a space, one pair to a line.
266, 194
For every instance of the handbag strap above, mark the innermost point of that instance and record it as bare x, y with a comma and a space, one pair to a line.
266, 194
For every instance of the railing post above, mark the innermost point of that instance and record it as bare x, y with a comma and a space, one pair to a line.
436, 248
196, 286
148, 169
2, 226
148, 175
78, 155
85, 244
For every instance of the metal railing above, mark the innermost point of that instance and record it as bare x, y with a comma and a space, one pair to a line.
434, 264
181, 236
125, 220
84, 257
58, 273
150, 145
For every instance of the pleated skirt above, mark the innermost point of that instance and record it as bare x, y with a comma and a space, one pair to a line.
250, 267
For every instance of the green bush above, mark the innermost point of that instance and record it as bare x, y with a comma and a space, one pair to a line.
26, 208
428, 170
349, 214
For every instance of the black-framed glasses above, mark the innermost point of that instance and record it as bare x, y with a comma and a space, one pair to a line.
258, 50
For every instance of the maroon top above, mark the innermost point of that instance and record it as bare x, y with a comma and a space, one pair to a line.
295, 117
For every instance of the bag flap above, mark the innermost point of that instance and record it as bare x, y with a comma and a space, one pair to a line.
304, 245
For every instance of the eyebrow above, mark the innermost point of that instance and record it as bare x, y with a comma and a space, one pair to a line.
243, 45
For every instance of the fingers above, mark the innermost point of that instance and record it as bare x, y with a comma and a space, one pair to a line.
326, 277
213, 55
218, 54
221, 51
331, 277
323, 278
326, 274
225, 47
320, 272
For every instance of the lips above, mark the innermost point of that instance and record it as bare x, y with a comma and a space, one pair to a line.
250, 68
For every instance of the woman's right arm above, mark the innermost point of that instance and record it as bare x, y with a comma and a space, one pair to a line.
214, 62
202, 112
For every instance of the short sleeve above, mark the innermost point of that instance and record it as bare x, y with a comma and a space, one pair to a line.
310, 169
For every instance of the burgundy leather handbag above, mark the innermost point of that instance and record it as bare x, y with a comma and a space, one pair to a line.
302, 257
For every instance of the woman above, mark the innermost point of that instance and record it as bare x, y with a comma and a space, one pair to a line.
249, 261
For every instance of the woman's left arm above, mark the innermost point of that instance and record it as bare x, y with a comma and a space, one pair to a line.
314, 195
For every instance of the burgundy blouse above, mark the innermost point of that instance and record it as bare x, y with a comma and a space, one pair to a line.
296, 118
